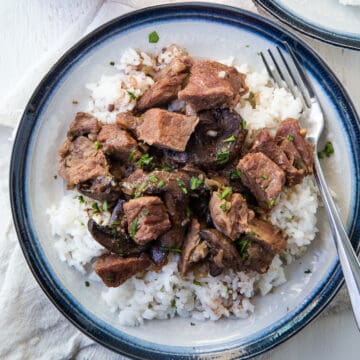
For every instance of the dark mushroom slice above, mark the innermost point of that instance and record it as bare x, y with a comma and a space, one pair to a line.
100, 188
194, 250
117, 242
114, 270
223, 251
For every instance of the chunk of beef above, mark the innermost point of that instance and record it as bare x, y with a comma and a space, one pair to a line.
114, 270
114, 239
263, 177
167, 130
168, 82
84, 124
282, 155
213, 85
128, 121
147, 218
81, 161
117, 142
194, 250
230, 215
223, 251
289, 129
218, 139
269, 236
255, 257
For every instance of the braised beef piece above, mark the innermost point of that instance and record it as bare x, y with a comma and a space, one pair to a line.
114, 270
117, 143
218, 139
194, 250
167, 84
161, 128
213, 85
222, 250
267, 235
128, 121
84, 124
230, 214
114, 239
290, 130
284, 155
147, 218
263, 177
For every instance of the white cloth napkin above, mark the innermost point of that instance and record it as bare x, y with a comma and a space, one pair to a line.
30, 325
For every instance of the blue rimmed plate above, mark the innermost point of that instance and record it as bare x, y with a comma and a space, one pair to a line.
205, 30
325, 20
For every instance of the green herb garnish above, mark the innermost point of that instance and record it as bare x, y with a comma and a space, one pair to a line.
140, 190
166, 168
112, 63
87, 284
188, 212
97, 145
82, 224
231, 138
180, 182
227, 191
242, 246
235, 174
95, 206
253, 233
265, 177
105, 205
192, 324
153, 178
131, 155
153, 37
55, 177
184, 190
133, 227
307, 271
173, 303
223, 156
145, 159
272, 202
81, 199
195, 183
198, 283
131, 95
289, 137
327, 151
223, 207
161, 184
110, 278
243, 124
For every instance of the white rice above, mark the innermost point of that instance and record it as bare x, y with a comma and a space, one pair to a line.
165, 293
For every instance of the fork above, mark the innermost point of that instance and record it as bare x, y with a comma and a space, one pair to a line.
298, 83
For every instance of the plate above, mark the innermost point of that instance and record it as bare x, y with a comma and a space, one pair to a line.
206, 30
325, 20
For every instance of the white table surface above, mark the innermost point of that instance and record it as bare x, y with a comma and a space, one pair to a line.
333, 335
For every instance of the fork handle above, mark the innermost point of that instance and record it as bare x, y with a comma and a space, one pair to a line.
348, 259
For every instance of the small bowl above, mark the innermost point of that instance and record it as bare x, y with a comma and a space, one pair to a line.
206, 30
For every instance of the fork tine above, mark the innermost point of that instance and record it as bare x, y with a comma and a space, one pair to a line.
301, 72
269, 71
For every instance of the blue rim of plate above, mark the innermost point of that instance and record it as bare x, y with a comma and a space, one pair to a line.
97, 329
308, 28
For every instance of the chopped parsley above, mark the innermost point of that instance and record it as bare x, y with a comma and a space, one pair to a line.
327, 151
224, 194
235, 174
265, 177
231, 138
188, 212
115, 223
140, 190
145, 159
307, 271
82, 224
105, 205
131, 95
272, 202
95, 207
87, 284
131, 155
184, 190
173, 303
289, 137
153, 178
161, 184
242, 246
198, 283
192, 324
195, 183
166, 168
112, 63
97, 145
153, 37
110, 278
55, 177
223, 207
81, 199
253, 233
243, 124
247, 45
223, 156
133, 227
180, 182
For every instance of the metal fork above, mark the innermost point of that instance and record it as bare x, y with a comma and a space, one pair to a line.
295, 79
